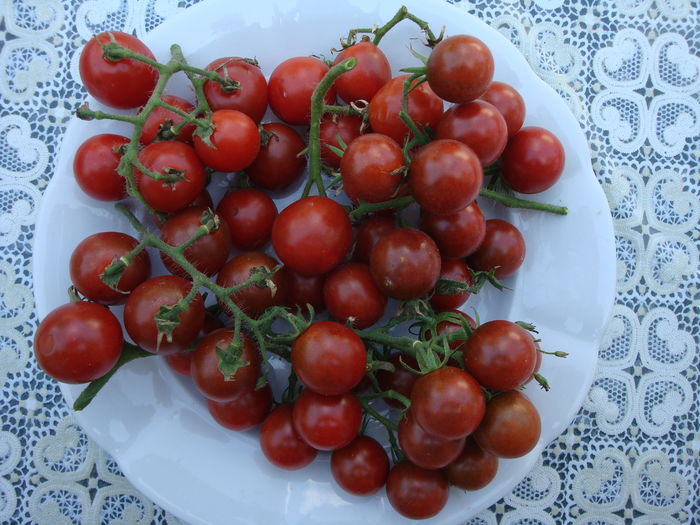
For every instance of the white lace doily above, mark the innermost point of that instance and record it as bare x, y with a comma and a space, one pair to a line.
630, 71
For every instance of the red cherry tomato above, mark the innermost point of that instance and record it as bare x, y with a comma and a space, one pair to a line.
95, 167
453, 270
371, 168
303, 291
448, 327
415, 492
401, 380
368, 234
426, 450
360, 467
352, 296
327, 422
235, 141
278, 164
533, 160
251, 96
180, 362
161, 120
473, 469
347, 127
458, 234
502, 249
370, 73
509, 103
281, 443
247, 410
250, 214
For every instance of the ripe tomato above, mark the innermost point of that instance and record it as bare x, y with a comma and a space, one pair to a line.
180, 362
312, 235
291, 85
281, 443
533, 160
143, 304
159, 122
247, 410
473, 469
458, 234
250, 98
415, 492
208, 253
370, 73
509, 103
453, 270
360, 467
303, 291
329, 358
249, 214
94, 254
460, 68
167, 158
122, 84
368, 234
405, 264
78, 342
347, 127
401, 380
207, 376
235, 141
371, 168
278, 164
423, 449
327, 422
448, 327
502, 249
95, 167
352, 296
445, 176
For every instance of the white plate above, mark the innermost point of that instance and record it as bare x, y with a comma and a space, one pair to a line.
155, 425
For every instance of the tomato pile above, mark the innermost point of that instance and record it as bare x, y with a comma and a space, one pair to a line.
446, 387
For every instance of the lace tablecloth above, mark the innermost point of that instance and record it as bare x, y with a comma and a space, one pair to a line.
630, 72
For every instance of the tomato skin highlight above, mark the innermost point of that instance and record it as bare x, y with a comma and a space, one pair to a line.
235, 140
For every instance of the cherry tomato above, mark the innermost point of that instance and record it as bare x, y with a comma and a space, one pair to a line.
473, 469
370, 73
78, 342
251, 96
329, 358
180, 362
424, 107
347, 127
125, 83
448, 327
460, 68
448, 402
368, 234
415, 492
167, 158
327, 422
405, 264
502, 249
95, 167
247, 410
445, 176
352, 296
207, 254
291, 85
371, 168
249, 214
312, 235
303, 291
533, 160
235, 141
143, 304
478, 125
281, 443
453, 270
401, 380
208, 377
278, 164
161, 120
538, 363
511, 425
509, 103
94, 254
458, 234
360, 467
423, 449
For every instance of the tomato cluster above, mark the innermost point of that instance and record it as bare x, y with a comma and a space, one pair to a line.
453, 402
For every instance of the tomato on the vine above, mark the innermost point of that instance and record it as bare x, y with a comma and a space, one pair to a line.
361, 467
335, 128
247, 410
533, 160
249, 214
473, 469
160, 121
250, 97
400, 380
95, 167
368, 234
458, 234
372, 168
351, 295
370, 73
278, 163
235, 141
502, 249
424, 449
327, 422
508, 102
281, 443
452, 270
415, 492
303, 291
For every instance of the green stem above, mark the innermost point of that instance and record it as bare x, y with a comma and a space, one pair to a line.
514, 202
366, 208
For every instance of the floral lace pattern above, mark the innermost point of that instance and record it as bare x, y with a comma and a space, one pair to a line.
630, 72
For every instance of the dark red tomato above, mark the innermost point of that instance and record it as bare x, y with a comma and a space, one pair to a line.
249, 214
347, 127
424, 449
424, 107
368, 234
253, 300
207, 376
95, 167
327, 422
143, 305
278, 164
367, 77
509, 103
281, 444
352, 296
203, 199
458, 234
448, 327
533, 160
445, 176
511, 426
453, 270
291, 85
94, 254
502, 248
78, 342
303, 291
125, 83
405, 264
361, 467
371, 168
538, 363
207, 254
448, 402
161, 120
460, 68
329, 358
235, 141
312, 235
477, 124
500, 355
415, 492
170, 157
473, 469
250, 98
401, 380
247, 410
180, 362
